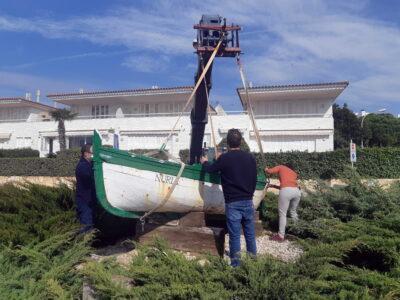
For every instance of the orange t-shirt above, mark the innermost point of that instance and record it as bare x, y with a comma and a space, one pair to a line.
287, 177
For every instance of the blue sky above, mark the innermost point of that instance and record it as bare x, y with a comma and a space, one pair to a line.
65, 45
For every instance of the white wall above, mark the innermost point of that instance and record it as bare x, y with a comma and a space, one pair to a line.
85, 110
290, 107
150, 132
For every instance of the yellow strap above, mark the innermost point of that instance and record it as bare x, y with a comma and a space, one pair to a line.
250, 109
194, 90
168, 195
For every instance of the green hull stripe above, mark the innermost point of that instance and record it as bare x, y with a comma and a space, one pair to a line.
141, 162
99, 182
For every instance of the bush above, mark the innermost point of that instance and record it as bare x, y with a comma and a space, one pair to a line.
350, 236
371, 163
23, 152
33, 212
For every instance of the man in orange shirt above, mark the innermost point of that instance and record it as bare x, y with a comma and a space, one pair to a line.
289, 196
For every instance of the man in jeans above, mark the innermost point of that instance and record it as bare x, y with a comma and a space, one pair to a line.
289, 196
238, 172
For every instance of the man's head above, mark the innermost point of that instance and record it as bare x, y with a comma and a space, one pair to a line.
234, 138
86, 151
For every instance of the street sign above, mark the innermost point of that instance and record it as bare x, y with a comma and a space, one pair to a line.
353, 152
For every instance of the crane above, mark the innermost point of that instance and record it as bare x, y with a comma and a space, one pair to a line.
210, 31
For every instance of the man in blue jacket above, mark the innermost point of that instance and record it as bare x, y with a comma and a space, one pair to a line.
238, 172
85, 189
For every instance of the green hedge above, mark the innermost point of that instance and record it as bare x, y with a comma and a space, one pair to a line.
372, 163
23, 152
62, 165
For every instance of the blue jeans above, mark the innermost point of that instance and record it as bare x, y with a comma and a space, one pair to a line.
238, 214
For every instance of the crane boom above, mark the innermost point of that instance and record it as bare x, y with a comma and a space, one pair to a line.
210, 30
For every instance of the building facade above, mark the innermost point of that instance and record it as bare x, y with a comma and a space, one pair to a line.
290, 118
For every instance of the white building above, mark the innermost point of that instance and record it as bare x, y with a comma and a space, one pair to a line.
18, 119
293, 117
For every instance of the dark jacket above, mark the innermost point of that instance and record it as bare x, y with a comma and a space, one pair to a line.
238, 171
85, 187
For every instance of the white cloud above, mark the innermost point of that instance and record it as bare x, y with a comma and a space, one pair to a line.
29, 83
147, 63
285, 41
66, 58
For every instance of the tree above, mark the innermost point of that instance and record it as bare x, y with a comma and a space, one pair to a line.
60, 116
381, 130
347, 126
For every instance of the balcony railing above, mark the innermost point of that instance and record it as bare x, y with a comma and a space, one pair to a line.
293, 116
175, 114
140, 115
13, 120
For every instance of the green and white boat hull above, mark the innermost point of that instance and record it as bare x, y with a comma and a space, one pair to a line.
128, 185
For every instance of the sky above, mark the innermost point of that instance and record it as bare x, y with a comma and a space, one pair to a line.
67, 45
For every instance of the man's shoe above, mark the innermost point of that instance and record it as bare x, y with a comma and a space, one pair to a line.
277, 238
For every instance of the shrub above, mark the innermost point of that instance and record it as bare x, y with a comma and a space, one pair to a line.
33, 212
371, 163
23, 152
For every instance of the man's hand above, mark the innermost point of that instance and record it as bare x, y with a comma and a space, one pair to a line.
203, 159
217, 154
266, 170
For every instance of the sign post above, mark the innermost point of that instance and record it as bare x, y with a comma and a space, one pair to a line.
353, 153
116, 140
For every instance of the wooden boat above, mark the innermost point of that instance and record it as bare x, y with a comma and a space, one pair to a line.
129, 185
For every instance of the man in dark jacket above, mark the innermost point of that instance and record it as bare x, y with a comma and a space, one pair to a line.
238, 171
85, 189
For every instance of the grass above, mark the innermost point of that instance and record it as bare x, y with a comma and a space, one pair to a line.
350, 234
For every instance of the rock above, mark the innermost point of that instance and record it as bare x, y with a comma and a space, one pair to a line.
88, 292
286, 251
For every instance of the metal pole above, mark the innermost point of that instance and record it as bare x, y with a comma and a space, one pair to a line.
351, 143
362, 132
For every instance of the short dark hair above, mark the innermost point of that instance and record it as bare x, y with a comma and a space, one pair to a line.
85, 148
234, 138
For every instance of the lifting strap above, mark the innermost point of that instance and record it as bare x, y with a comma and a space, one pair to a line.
168, 195
214, 53
250, 108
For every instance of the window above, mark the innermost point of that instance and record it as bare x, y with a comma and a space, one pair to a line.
24, 142
79, 141
99, 111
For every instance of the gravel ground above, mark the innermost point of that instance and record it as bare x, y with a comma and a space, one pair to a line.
286, 251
